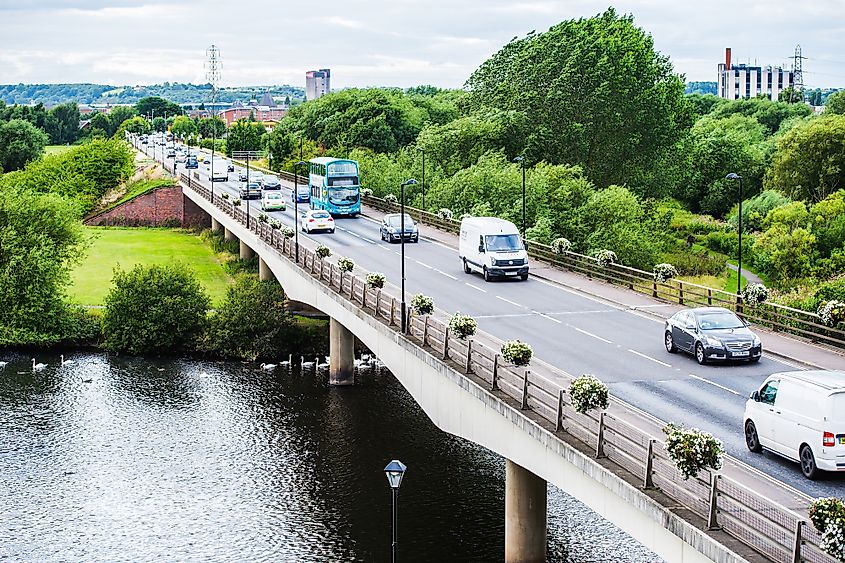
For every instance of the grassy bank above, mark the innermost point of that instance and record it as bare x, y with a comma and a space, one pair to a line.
112, 247
57, 149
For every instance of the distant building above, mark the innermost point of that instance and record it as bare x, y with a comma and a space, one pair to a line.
744, 81
268, 114
317, 83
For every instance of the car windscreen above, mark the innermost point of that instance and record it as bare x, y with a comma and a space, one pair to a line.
320, 215
502, 243
343, 181
719, 320
396, 221
343, 196
273, 196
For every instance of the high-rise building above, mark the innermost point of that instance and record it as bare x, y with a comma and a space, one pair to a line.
744, 81
317, 83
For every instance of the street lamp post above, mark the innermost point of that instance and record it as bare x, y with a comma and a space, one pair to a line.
403, 323
395, 470
422, 150
735, 176
521, 160
296, 205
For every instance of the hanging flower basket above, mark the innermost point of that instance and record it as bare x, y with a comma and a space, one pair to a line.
225, 195
288, 232
692, 450
275, 224
605, 258
236, 202
588, 392
323, 251
754, 293
375, 280
517, 352
262, 218
366, 192
422, 304
445, 214
664, 272
462, 326
832, 313
345, 264
561, 245
390, 198
828, 517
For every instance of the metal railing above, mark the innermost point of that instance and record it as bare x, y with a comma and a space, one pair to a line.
772, 315
778, 533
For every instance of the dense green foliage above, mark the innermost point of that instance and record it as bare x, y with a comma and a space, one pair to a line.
836, 103
244, 135
20, 143
184, 128
154, 310
157, 106
40, 239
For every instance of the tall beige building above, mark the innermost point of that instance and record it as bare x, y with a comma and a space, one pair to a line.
317, 83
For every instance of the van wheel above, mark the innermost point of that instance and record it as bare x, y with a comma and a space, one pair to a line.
486, 274
466, 267
699, 354
808, 463
524, 277
752, 440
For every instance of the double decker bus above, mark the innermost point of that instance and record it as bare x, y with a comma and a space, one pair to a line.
334, 185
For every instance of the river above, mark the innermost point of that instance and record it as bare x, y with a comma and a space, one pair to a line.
128, 459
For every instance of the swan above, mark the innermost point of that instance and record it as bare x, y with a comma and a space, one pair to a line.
3, 364
303, 364
288, 362
66, 362
37, 367
268, 367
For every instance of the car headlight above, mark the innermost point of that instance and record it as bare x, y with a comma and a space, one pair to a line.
756, 341
713, 341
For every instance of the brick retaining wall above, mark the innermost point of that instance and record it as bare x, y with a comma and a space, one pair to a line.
162, 207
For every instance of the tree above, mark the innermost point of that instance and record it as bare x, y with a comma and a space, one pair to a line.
137, 125
41, 240
117, 116
159, 124
207, 126
158, 106
835, 103
790, 95
63, 124
784, 254
20, 142
809, 162
244, 135
768, 113
184, 127
99, 124
154, 310
595, 91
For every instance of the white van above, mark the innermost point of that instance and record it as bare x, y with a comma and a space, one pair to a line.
221, 170
492, 247
801, 416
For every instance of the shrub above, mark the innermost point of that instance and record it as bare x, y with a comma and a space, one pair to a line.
366, 192
323, 251
588, 392
692, 450
275, 224
754, 293
832, 312
465, 216
224, 195
517, 352
695, 263
391, 198
376, 280
561, 245
154, 310
262, 217
605, 258
236, 202
422, 304
288, 232
462, 326
828, 517
345, 264
445, 214
664, 272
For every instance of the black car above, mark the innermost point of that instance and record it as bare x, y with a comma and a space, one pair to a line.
711, 333
391, 228
230, 167
242, 175
191, 161
250, 191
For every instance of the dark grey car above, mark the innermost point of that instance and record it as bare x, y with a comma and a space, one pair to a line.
391, 228
711, 333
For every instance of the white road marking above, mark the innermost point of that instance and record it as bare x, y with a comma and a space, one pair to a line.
445, 274
728, 389
423, 264
649, 358
514, 303
474, 286
547, 317
596, 336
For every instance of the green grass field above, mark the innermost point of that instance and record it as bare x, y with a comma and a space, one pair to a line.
57, 149
113, 246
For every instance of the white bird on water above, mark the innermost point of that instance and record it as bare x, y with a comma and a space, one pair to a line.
268, 367
37, 367
66, 362
3, 364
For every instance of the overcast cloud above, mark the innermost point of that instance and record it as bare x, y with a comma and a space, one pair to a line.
393, 43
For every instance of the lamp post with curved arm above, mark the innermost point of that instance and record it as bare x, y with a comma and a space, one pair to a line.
403, 323
735, 176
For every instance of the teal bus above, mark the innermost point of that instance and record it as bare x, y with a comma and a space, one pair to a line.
334, 185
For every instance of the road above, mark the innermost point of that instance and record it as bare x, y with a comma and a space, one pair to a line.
577, 333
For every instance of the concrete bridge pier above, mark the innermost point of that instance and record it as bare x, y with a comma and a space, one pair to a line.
215, 225
525, 515
341, 354
264, 272
228, 235
246, 251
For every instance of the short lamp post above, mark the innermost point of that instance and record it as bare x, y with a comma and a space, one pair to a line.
404, 322
296, 205
521, 160
395, 470
735, 176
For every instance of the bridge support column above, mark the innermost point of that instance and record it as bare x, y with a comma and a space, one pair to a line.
215, 225
246, 251
341, 354
525, 515
264, 272
228, 235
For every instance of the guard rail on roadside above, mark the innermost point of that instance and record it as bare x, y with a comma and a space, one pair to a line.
780, 534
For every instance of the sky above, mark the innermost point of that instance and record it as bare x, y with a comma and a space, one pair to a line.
383, 43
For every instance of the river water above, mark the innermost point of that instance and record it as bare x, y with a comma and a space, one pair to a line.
115, 459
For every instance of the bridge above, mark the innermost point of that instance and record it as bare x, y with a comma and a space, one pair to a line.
612, 461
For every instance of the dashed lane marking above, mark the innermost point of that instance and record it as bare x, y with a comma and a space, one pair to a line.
475, 287
728, 389
514, 303
649, 358
545, 316
596, 336
445, 274
423, 264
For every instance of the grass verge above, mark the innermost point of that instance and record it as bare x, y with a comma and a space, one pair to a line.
58, 149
